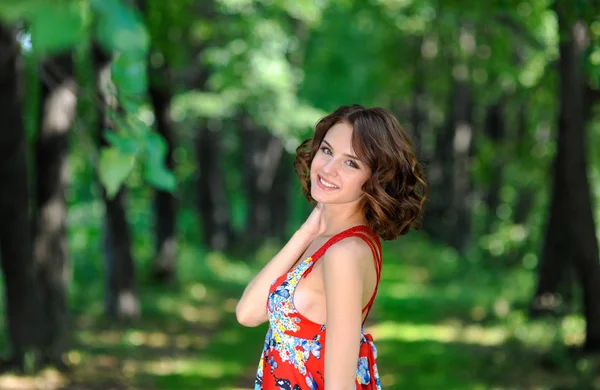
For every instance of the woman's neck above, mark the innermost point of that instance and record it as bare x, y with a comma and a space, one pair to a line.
338, 217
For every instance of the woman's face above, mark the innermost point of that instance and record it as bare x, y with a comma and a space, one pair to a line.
336, 174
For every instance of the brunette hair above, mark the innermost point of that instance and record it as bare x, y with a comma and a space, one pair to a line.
395, 193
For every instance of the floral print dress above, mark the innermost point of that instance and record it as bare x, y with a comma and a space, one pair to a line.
293, 353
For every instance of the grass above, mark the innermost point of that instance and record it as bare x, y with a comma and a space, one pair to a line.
439, 322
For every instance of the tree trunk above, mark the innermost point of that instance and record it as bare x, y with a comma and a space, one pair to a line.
58, 94
437, 216
121, 296
262, 155
526, 196
417, 115
570, 238
23, 310
462, 144
165, 207
495, 129
212, 196
280, 196
213, 202
448, 216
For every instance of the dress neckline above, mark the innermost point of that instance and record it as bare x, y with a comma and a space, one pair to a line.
338, 236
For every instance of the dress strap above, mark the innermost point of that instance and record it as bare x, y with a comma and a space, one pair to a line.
375, 245
367, 235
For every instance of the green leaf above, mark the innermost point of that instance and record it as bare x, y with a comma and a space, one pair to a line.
160, 177
156, 147
114, 167
120, 28
126, 144
129, 74
56, 27
13, 11
155, 170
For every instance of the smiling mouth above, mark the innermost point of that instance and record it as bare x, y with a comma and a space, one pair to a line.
325, 183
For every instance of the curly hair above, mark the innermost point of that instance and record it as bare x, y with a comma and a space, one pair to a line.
396, 191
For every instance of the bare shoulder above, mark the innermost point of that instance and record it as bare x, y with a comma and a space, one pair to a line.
351, 251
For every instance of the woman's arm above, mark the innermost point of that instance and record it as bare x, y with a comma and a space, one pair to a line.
251, 309
344, 269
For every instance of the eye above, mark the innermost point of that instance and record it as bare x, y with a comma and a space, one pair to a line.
352, 164
326, 150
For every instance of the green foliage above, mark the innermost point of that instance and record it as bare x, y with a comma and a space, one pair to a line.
195, 104
120, 30
154, 169
133, 142
251, 67
363, 64
129, 75
46, 37
282, 65
113, 168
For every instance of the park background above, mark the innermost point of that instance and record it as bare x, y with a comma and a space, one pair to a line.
146, 153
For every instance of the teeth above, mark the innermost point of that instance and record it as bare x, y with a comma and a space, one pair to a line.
326, 184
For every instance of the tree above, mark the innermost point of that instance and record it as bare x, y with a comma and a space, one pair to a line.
58, 101
16, 256
160, 93
495, 129
213, 204
570, 239
121, 292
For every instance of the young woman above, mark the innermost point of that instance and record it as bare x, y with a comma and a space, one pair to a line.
360, 171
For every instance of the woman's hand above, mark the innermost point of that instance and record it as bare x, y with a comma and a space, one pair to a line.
314, 224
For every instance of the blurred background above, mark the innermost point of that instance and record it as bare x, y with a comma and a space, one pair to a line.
146, 153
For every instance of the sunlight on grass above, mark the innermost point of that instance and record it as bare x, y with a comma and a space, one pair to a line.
208, 313
47, 380
469, 334
569, 330
138, 338
100, 338
208, 368
204, 315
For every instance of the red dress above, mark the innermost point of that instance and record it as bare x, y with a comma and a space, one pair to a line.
293, 354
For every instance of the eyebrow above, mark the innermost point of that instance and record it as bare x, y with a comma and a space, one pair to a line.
345, 154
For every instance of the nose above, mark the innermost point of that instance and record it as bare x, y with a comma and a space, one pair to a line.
330, 167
